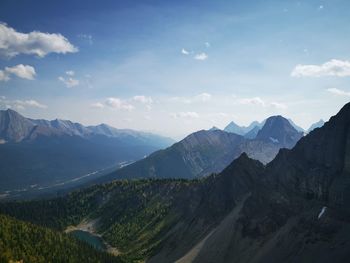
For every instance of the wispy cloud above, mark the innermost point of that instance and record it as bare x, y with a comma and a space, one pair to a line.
202, 97
20, 104
189, 114
119, 104
185, 52
257, 101
21, 71
252, 101
86, 37
13, 43
97, 105
143, 99
70, 73
69, 81
30, 103
339, 92
147, 101
334, 67
201, 56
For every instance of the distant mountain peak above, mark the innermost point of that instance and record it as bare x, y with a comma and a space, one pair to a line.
214, 128
240, 130
315, 125
279, 130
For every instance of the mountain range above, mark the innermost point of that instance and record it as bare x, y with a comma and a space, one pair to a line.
210, 151
41, 153
294, 209
252, 129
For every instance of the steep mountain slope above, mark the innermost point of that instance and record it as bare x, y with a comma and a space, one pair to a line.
279, 131
206, 152
13, 126
252, 133
293, 210
295, 126
199, 154
36, 154
315, 125
300, 212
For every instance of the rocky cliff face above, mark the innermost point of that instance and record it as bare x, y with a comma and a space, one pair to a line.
14, 127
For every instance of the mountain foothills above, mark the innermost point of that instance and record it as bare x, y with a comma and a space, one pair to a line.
40, 153
210, 151
294, 209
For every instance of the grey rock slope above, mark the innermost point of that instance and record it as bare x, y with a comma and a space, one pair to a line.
13, 126
315, 125
279, 131
206, 152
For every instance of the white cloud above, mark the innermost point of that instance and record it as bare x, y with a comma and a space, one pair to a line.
204, 97
119, 104
4, 76
21, 71
185, 52
69, 82
278, 105
189, 114
201, 56
70, 73
334, 67
97, 105
13, 43
257, 101
339, 92
252, 101
31, 103
143, 99
21, 104
87, 37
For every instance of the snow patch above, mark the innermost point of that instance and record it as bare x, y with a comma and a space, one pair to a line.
274, 140
323, 210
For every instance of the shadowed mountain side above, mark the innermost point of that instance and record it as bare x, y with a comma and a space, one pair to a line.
205, 152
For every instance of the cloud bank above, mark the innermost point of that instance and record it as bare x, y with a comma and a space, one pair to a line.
334, 67
21, 71
13, 43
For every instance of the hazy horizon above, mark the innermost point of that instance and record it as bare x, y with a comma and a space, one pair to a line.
175, 67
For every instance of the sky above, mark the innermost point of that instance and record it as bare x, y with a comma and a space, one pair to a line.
174, 67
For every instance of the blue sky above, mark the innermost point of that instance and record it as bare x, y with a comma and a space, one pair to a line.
174, 67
